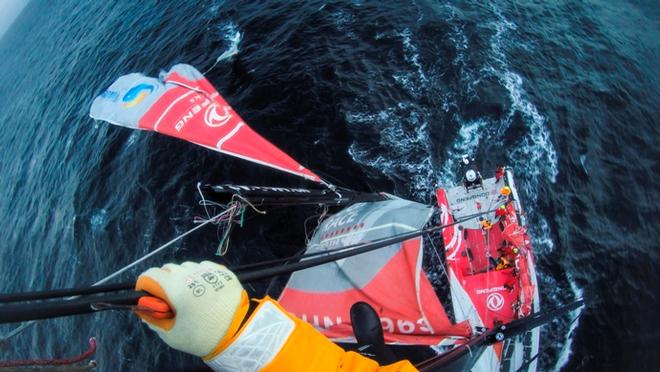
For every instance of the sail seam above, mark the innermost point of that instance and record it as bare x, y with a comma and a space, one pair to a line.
231, 134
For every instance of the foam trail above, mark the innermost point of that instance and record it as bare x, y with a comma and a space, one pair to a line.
233, 36
537, 153
533, 157
233, 48
566, 350
470, 135
536, 156
414, 81
404, 149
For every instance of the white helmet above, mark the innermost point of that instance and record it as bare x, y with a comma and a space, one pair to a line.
471, 175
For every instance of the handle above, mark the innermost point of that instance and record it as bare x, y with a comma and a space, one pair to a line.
155, 307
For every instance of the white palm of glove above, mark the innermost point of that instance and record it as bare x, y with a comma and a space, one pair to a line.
204, 298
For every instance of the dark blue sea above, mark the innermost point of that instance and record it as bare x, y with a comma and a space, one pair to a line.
376, 96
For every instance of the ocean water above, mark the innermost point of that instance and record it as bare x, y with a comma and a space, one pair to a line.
377, 95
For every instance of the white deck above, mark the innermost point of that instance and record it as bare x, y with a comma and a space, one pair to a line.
470, 202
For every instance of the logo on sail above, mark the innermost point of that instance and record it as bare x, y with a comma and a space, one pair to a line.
137, 94
213, 118
495, 301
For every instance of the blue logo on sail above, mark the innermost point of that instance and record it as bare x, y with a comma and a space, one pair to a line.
137, 94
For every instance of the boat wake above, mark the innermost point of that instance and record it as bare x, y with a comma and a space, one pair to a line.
405, 149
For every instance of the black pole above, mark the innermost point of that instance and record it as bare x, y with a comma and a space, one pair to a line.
52, 309
83, 305
287, 196
67, 292
455, 359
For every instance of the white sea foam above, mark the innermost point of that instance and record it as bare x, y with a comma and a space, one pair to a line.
132, 138
533, 157
566, 350
470, 135
536, 154
343, 21
232, 35
98, 219
403, 148
411, 55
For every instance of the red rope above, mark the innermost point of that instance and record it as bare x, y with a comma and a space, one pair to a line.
52, 362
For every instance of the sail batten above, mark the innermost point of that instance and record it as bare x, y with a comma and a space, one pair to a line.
182, 103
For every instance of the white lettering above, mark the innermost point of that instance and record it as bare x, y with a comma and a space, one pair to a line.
489, 290
183, 121
424, 326
405, 326
327, 322
339, 220
387, 324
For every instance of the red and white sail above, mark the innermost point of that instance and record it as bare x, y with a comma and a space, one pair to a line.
183, 104
391, 279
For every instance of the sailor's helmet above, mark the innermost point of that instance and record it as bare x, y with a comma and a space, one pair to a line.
471, 175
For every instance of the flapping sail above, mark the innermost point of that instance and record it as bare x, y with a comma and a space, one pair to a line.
183, 104
391, 279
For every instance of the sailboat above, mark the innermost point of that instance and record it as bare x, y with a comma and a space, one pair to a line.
371, 251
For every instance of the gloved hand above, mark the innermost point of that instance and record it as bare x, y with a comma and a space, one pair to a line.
204, 297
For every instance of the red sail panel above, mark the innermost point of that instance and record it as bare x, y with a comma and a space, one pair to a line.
183, 104
400, 293
193, 110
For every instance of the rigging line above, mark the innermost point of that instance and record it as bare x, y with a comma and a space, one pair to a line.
26, 325
488, 257
357, 245
203, 202
321, 216
330, 253
444, 270
248, 203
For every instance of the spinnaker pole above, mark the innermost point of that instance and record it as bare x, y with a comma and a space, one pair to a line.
50, 309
